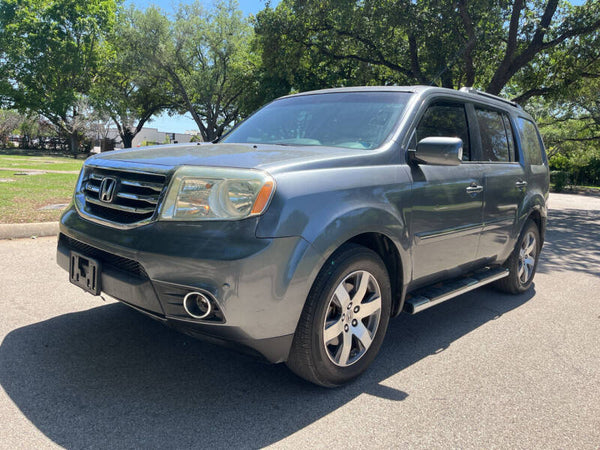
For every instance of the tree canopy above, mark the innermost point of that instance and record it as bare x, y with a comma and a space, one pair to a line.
50, 54
78, 63
128, 88
204, 57
533, 47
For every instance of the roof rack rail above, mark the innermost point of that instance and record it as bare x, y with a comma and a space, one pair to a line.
470, 90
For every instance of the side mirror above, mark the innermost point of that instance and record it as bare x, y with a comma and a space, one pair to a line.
438, 151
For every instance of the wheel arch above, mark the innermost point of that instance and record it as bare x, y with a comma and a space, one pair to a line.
536, 209
384, 246
389, 254
536, 216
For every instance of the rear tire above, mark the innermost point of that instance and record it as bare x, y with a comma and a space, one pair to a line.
523, 261
344, 320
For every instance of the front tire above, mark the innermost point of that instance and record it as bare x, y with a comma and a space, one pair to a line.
344, 320
523, 261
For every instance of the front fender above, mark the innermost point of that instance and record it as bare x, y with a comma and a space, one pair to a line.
331, 206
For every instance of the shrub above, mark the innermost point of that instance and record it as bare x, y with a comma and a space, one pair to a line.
580, 167
559, 178
559, 162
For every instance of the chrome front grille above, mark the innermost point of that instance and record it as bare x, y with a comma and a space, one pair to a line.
121, 197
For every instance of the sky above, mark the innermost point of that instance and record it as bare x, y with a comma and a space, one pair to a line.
247, 6
181, 124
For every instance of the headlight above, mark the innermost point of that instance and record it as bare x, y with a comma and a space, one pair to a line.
214, 193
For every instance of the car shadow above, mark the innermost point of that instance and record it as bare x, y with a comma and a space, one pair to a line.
572, 242
112, 377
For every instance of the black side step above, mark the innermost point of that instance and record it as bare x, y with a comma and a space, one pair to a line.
438, 293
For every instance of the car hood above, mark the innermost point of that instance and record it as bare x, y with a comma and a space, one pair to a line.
273, 158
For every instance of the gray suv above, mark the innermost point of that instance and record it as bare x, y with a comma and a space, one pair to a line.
304, 229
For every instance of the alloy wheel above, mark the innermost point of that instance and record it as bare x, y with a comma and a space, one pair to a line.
352, 318
527, 255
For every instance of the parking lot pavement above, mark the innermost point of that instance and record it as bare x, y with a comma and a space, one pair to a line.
483, 370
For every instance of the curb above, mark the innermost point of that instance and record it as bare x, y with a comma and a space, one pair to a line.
28, 230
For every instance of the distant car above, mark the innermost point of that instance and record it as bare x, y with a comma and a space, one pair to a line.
301, 232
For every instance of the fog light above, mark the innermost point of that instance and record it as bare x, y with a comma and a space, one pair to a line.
197, 305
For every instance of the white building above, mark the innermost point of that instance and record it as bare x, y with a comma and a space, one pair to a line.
150, 136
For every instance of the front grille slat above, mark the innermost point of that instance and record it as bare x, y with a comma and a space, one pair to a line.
92, 188
142, 198
134, 199
154, 186
118, 207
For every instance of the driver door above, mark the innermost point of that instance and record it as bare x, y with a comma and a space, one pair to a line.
447, 201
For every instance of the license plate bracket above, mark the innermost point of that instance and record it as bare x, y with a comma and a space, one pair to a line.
85, 273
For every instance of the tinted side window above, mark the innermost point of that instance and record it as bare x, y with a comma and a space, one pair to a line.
511, 138
531, 142
445, 119
494, 141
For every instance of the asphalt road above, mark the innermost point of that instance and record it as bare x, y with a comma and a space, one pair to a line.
484, 370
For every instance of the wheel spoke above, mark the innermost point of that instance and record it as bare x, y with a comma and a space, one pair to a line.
525, 273
363, 284
531, 247
529, 261
343, 353
368, 309
521, 270
342, 295
363, 335
333, 331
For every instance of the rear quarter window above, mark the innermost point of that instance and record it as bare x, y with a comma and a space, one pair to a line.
531, 142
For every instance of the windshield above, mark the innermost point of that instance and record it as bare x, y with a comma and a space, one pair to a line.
358, 120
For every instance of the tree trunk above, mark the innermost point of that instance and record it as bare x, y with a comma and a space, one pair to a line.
498, 82
74, 143
127, 138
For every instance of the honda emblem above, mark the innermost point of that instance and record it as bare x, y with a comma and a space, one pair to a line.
108, 188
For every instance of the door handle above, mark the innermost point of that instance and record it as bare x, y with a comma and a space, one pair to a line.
521, 184
474, 188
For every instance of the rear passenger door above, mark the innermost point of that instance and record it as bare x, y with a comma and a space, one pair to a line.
504, 181
446, 213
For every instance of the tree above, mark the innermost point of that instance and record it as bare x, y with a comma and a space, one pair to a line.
50, 55
482, 43
9, 122
129, 89
569, 121
205, 57
213, 66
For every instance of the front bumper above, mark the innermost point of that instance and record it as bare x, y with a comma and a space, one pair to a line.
259, 285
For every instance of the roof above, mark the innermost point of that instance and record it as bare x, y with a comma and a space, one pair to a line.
466, 92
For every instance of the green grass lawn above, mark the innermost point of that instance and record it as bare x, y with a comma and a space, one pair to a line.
589, 187
40, 162
23, 196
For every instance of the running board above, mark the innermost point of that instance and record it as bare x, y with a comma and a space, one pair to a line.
433, 295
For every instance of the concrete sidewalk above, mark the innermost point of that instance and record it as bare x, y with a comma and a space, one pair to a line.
28, 230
